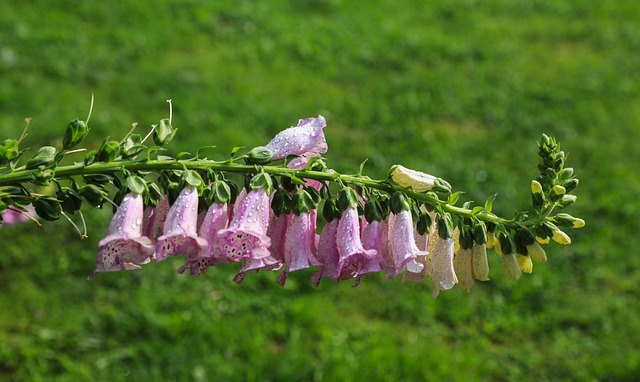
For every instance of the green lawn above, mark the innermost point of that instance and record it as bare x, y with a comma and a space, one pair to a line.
459, 89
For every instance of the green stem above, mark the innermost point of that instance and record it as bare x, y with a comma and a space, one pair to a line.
22, 175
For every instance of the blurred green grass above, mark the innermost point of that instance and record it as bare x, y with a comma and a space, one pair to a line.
460, 89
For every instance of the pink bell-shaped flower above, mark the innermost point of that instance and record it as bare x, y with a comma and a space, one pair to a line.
327, 254
180, 237
124, 247
404, 251
307, 138
215, 219
277, 229
300, 244
246, 235
14, 216
353, 256
154, 218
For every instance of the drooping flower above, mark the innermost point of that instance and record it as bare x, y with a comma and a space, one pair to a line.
404, 251
215, 219
353, 256
154, 218
124, 247
480, 262
14, 216
536, 252
511, 267
463, 266
300, 244
327, 254
277, 229
180, 237
307, 138
441, 267
375, 235
246, 235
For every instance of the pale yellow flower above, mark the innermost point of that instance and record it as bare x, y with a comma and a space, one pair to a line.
511, 267
536, 252
462, 264
525, 263
480, 262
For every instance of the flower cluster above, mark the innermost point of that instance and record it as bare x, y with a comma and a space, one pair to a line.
292, 211
271, 225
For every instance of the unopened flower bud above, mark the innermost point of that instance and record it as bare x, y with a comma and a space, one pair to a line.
567, 220
561, 237
559, 190
536, 187
525, 263
417, 180
571, 184
567, 200
259, 155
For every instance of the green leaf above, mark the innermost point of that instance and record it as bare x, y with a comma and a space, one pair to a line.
476, 210
235, 150
488, 205
453, 198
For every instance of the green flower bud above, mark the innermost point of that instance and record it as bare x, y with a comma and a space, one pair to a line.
164, 132
48, 208
567, 200
44, 157
259, 155
75, 133
571, 184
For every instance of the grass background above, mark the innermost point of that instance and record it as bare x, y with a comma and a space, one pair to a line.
460, 89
